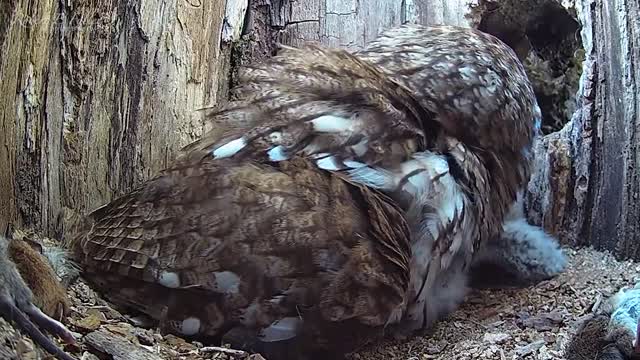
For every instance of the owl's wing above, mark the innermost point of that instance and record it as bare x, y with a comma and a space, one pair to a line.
219, 243
323, 104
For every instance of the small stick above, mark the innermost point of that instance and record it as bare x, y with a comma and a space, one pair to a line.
596, 305
233, 352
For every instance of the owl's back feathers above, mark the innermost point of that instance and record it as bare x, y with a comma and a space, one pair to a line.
323, 104
279, 250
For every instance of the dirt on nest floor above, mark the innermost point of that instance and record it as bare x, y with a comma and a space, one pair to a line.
530, 323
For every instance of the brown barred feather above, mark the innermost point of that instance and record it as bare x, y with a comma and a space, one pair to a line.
340, 194
227, 243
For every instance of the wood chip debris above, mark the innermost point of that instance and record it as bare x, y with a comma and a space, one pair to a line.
534, 323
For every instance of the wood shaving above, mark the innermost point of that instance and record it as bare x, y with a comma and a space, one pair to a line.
534, 323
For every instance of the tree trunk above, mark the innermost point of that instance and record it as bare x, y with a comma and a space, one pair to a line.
348, 24
97, 97
587, 184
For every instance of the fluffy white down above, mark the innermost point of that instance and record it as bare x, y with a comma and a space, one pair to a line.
525, 250
626, 310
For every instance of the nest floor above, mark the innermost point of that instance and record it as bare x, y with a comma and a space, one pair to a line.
529, 323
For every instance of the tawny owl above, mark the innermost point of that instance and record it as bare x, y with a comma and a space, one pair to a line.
279, 229
454, 158
283, 258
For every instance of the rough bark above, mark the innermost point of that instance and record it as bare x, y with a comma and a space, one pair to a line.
347, 23
97, 96
588, 183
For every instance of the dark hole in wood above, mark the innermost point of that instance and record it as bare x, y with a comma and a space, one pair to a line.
546, 37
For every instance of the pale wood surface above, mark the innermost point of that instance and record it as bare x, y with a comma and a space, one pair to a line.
97, 96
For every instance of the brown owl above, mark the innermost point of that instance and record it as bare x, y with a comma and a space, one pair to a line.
454, 153
268, 254
336, 202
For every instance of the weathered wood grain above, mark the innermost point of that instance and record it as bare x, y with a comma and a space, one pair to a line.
353, 23
588, 185
98, 96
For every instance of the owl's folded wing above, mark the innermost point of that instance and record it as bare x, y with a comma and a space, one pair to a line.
215, 243
323, 104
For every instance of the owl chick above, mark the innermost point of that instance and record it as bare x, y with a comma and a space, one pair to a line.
17, 300
612, 334
441, 118
521, 255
